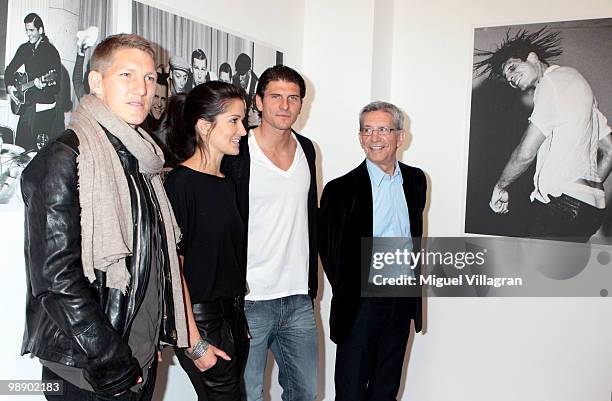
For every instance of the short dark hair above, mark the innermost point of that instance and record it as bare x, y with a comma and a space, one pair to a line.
280, 73
205, 101
243, 63
544, 43
162, 79
199, 55
104, 51
35, 19
225, 67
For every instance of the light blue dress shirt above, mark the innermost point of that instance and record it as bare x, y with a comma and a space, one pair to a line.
390, 217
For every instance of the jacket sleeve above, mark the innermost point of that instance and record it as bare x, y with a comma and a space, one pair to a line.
56, 274
423, 189
78, 81
330, 232
17, 61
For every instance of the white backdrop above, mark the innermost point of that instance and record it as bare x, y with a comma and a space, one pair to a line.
475, 349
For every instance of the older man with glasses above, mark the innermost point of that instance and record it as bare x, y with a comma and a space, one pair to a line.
380, 198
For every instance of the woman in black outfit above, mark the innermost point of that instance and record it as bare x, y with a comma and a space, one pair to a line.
203, 126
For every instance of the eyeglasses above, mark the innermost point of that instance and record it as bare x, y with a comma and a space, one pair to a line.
383, 131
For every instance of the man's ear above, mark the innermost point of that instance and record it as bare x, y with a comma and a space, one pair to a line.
259, 102
532, 57
95, 83
401, 138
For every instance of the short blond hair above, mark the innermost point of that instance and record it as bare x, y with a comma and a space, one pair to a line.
105, 50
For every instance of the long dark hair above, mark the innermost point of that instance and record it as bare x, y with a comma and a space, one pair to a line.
205, 101
546, 44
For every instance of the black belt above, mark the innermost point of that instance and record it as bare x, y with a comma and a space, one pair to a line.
226, 306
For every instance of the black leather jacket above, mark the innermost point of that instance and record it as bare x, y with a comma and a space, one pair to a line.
68, 319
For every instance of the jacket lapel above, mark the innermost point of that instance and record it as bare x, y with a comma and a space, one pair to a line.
363, 200
410, 193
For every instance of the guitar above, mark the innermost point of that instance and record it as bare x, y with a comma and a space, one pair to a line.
22, 86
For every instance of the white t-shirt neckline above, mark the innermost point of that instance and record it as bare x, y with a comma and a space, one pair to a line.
256, 151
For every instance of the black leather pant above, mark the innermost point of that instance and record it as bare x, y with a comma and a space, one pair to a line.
566, 219
222, 324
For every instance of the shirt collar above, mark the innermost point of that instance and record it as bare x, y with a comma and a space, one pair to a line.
550, 69
377, 175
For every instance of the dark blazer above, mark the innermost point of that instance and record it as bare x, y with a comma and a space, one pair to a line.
345, 217
239, 169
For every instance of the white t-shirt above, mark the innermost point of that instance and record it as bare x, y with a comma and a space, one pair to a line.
566, 112
278, 251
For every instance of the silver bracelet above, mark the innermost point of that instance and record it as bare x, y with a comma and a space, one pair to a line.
198, 350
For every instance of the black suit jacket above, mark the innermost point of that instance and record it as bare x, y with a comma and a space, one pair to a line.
250, 91
239, 169
345, 217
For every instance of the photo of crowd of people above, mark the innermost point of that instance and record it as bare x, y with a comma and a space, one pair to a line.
47, 67
540, 144
205, 54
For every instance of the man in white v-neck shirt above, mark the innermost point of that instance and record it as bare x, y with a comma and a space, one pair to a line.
277, 196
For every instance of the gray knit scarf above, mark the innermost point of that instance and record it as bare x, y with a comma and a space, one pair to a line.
106, 211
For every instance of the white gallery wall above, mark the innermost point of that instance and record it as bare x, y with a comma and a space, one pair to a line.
474, 349
417, 55
483, 349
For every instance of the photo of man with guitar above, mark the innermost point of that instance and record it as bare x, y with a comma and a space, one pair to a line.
33, 93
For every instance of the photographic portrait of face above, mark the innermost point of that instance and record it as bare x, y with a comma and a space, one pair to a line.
225, 77
159, 101
199, 69
179, 80
521, 74
32, 32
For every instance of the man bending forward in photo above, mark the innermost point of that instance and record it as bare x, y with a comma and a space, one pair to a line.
567, 135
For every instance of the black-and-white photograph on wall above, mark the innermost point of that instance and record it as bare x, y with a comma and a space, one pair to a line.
46, 48
540, 147
190, 53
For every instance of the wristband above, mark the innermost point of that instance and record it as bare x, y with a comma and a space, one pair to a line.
198, 350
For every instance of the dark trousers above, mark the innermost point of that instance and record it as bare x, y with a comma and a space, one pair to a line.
567, 219
31, 124
222, 324
369, 362
74, 393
